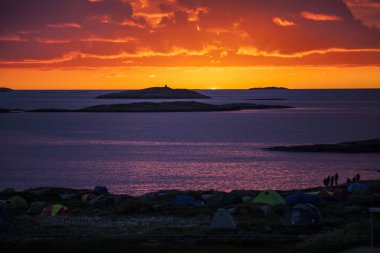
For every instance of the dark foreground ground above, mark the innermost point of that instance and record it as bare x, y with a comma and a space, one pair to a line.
150, 223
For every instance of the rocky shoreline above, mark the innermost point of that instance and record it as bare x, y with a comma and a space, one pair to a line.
364, 146
157, 217
179, 106
4, 89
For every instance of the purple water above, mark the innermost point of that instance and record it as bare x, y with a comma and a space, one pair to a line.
135, 153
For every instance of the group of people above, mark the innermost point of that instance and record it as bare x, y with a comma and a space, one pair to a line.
330, 181
354, 179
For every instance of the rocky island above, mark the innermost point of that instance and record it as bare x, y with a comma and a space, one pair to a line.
156, 93
4, 89
365, 146
179, 106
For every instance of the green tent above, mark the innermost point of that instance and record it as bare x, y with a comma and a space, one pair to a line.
55, 210
17, 202
269, 197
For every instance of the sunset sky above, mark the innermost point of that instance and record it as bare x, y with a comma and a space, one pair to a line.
222, 44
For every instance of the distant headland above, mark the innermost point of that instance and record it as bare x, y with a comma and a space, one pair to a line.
269, 88
364, 146
156, 93
179, 106
4, 89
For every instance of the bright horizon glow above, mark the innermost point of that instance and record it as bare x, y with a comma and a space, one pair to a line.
194, 78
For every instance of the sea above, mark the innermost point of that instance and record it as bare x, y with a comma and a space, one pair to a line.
136, 153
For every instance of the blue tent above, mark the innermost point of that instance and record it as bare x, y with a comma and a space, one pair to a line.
4, 219
357, 187
303, 214
299, 197
183, 200
100, 190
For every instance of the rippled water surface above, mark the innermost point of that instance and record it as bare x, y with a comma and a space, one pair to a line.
136, 153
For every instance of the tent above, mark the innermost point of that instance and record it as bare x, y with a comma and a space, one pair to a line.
303, 214
17, 202
100, 189
297, 198
55, 210
357, 188
183, 200
269, 197
222, 220
4, 218
4, 214
36, 207
88, 197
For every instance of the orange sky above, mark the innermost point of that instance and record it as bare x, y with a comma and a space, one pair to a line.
229, 44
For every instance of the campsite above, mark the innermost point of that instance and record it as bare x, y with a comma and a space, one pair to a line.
311, 220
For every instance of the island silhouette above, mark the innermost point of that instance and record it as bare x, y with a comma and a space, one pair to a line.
156, 93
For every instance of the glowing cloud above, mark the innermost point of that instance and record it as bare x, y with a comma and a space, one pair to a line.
15, 38
283, 22
320, 16
64, 25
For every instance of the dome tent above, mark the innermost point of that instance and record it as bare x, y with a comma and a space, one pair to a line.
357, 188
303, 214
269, 197
17, 202
55, 210
222, 220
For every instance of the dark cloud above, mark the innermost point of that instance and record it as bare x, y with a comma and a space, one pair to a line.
25, 15
234, 32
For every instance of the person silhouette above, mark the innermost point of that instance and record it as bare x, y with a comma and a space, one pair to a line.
357, 177
348, 180
336, 179
328, 181
325, 182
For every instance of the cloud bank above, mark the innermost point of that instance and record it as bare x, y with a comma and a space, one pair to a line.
123, 33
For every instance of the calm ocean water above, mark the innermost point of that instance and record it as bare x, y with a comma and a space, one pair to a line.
135, 153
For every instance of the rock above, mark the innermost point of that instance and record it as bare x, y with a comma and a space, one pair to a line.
365, 146
41, 191
156, 207
4, 89
246, 199
230, 199
8, 191
68, 196
212, 200
88, 197
266, 210
102, 201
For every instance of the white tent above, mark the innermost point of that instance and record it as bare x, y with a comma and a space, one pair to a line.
222, 220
